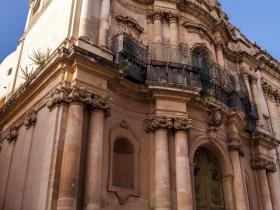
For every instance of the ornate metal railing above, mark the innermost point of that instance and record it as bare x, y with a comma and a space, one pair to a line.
172, 65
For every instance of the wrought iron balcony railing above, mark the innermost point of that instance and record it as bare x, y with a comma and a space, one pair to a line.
172, 65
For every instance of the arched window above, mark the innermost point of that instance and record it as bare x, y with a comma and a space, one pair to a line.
200, 60
208, 181
123, 164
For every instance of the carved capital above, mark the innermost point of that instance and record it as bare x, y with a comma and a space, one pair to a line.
236, 146
57, 96
79, 95
262, 162
12, 134
30, 118
158, 122
172, 17
253, 78
157, 15
100, 103
181, 124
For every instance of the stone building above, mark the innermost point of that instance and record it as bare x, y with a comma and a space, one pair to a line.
138, 105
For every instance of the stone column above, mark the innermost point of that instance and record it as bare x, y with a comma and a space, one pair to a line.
262, 165
173, 25
70, 172
104, 23
93, 178
254, 88
183, 180
274, 188
160, 125
157, 27
150, 24
235, 149
264, 190
85, 19
245, 77
220, 55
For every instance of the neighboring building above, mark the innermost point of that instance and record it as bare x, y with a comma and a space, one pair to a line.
138, 105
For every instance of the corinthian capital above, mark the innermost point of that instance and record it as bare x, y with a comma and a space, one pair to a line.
30, 118
172, 17
57, 96
79, 95
158, 122
100, 103
181, 124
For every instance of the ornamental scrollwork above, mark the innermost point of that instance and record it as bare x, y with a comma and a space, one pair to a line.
30, 118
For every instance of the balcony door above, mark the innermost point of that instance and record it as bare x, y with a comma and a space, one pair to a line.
200, 60
208, 182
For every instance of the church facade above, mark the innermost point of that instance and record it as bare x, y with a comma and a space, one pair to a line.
138, 105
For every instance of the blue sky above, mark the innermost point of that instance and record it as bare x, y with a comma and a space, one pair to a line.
259, 20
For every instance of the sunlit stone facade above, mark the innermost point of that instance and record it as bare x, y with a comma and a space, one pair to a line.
138, 105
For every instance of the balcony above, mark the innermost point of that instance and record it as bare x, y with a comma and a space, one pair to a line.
172, 65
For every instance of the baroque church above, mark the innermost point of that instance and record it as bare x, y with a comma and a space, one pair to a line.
138, 105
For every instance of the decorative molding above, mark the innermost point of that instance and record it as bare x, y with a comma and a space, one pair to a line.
30, 118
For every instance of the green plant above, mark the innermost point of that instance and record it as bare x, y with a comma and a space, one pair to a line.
206, 97
40, 57
26, 74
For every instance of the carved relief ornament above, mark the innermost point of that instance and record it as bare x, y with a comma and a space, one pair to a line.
215, 118
58, 96
236, 146
12, 134
30, 118
129, 25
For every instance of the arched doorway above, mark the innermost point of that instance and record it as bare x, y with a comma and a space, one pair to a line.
207, 181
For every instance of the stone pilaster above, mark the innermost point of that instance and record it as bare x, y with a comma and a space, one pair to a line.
235, 150
70, 172
92, 193
160, 126
104, 23
183, 179
245, 77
